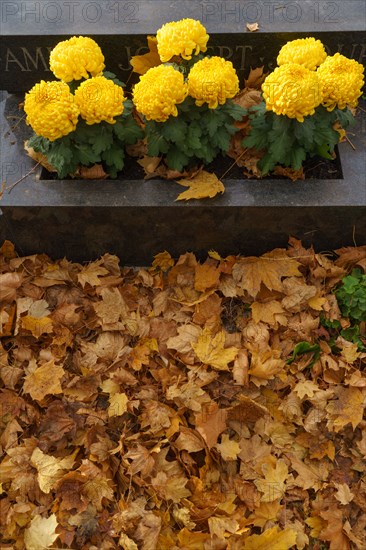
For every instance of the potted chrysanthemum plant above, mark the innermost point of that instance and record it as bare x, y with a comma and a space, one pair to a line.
83, 119
185, 102
307, 105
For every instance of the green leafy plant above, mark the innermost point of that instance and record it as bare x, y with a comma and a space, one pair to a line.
197, 134
288, 142
351, 296
100, 143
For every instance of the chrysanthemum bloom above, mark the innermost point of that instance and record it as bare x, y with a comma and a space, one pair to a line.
212, 80
292, 90
98, 99
76, 58
51, 109
186, 37
305, 51
158, 93
342, 80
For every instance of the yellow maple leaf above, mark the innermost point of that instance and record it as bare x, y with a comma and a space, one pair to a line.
220, 526
142, 63
267, 511
266, 364
269, 312
163, 261
272, 539
348, 408
274, 483
316, 302
268, 269
45, 380
203, 185
317, 524
41, 533
117, 404
140, 354
210, 350
228, 448
37, 326
50, 469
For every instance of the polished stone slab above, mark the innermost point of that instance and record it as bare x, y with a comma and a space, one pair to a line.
30, 29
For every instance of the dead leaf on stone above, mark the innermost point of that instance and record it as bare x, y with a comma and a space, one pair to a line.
252, 27
288, 172
39, 157
203, 185
142, 63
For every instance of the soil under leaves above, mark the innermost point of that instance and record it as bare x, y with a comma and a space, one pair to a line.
164, 407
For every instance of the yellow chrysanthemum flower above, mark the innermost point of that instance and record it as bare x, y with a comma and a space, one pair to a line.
342, 80
305, 51
98, 99
212, 80
158, 93
51, 109
186, 37
76, 58
292, 90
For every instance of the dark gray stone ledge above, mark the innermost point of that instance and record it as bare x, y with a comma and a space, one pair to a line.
137, 219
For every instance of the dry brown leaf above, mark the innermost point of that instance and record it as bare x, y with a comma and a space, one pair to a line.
228, 448
95, 172
50, 469
344, 494
206, 276
290, 173
90, 274
211, 423
41, 533
268, 270
347, 408
189, 440
45, 380
38, 157
269, 312
201, 186
273, 485
9, 282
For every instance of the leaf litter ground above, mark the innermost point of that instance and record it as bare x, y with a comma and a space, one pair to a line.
183, 406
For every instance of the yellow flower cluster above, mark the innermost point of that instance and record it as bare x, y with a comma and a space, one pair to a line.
342, 80
186, 37
51, 109
292, 90
98, 99
158, 93
212, 80
305, 51
75, 58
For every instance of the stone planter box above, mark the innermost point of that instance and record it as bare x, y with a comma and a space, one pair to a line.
136, 219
